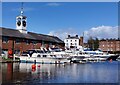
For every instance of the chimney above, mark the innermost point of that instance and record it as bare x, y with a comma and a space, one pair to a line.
76, 35
81, 41
68, 36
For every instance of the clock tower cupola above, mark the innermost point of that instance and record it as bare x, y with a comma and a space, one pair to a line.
21, 22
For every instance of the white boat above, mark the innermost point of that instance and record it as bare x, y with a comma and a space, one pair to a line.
79, 57
92, 56
101, 56
98, 55
118, 59
39, 56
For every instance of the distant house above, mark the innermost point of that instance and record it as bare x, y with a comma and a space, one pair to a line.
73, 42
110, 45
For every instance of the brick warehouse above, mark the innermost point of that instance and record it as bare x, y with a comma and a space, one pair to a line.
13, 39
110, 45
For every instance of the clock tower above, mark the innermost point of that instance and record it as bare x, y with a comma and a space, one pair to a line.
21, 22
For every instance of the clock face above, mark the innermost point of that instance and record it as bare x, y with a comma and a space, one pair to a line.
24, 23
18, 23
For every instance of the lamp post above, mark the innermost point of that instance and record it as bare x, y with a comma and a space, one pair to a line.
13, 50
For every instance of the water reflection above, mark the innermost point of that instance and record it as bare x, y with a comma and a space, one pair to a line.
57, 73
0, 73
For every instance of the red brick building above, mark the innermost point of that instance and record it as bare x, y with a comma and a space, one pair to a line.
15, 40
110, 45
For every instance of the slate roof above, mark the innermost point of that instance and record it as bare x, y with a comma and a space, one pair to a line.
30, 35
72, 37
46, 37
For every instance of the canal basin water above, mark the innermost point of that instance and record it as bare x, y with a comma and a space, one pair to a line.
22, 73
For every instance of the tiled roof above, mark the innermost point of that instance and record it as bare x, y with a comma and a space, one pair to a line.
30, 35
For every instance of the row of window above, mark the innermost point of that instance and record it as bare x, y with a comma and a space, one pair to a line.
110, 42
18, 41
71, 44
110, 45
110, 49
71, 40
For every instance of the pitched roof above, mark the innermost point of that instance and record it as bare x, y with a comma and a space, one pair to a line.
30, 35
14, 33
72, 37
46, 37
111, 39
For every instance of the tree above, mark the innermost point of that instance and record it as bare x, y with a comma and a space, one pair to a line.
90, 43
93, 43
96, 43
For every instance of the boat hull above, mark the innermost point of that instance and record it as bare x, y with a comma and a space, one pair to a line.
113, 57
44, 60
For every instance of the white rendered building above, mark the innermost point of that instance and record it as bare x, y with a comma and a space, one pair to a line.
73, 42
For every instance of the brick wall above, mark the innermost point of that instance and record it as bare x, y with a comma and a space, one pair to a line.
81, 41
23, 46
109, 45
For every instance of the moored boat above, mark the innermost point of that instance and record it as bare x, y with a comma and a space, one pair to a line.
118, 59
38, 56
113, 57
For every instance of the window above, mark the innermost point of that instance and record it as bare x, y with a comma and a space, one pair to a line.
71, 43
75, 43
111, 49
34, 42
43, 44
75, 40
50, 43
118, 48
17, 51
66, 40
17, 41
27, 42
71, 40
5, 39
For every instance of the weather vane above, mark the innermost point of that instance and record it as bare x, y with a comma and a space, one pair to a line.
22, 8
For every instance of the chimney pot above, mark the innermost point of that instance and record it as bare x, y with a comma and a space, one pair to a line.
76, 35
68, 36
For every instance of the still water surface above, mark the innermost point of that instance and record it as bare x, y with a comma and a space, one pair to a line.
104, 72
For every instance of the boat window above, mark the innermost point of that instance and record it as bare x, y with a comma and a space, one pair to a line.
44, 55
38, 56
32, 51
56, 49
80, 53
39, 51
24, 53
